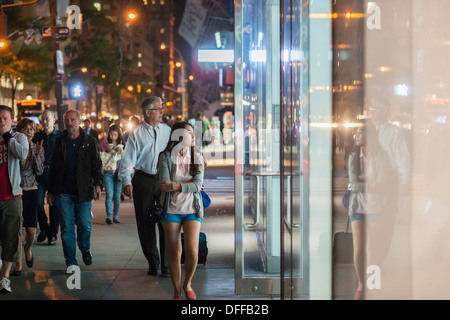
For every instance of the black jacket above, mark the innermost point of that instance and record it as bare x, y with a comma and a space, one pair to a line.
89, 167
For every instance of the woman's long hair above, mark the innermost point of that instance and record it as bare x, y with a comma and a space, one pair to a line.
115, 127
194, 167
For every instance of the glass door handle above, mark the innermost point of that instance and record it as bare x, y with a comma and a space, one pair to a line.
258, 175
288, 220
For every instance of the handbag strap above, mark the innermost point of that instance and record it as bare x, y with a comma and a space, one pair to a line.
348, 222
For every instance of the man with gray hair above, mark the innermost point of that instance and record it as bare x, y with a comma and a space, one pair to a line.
48, 135
138, 175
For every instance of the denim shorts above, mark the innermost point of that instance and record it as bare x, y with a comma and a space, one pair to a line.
367, 217
180, 218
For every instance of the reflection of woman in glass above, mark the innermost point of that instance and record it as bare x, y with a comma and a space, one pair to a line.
371, 196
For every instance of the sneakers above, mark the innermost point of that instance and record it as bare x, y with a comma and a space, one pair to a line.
114, 220
51, 240
5, 285
87, 258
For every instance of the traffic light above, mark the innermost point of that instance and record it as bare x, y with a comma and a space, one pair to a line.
75, 90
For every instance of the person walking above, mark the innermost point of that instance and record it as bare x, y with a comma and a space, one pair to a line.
48, 226
88, 130
76, 179
138, 175
14, 148
111, 150
30, 168
181, 170
372, 202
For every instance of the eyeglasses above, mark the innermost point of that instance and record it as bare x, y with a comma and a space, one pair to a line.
158, 109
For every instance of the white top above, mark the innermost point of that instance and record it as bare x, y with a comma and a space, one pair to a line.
142, 150
393, 142
182, 202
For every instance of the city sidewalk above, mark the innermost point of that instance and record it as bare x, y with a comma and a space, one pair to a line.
119, 269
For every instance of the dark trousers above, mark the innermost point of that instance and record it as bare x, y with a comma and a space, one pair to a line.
52, 228
145, 189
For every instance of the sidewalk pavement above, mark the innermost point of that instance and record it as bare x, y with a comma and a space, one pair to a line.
119, 269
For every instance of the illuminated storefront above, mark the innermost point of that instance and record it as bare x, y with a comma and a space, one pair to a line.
309, 75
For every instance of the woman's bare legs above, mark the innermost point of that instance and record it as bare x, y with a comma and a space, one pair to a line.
172, 231
359, 251
30, 234
191, 231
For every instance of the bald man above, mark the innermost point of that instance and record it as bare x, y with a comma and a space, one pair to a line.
75, 180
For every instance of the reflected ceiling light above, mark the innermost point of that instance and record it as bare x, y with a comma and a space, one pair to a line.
258, 55
384, 69
292, 55
343, 46
215, 55
401, 90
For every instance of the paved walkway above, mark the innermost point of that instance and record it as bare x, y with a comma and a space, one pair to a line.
119, 269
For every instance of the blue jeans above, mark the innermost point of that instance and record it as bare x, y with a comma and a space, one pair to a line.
113, 188
73, 212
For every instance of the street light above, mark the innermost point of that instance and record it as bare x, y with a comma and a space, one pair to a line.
131, 16
181, 64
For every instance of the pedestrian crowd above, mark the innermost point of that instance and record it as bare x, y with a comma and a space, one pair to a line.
152, 163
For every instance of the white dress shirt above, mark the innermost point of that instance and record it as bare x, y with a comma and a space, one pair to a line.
142, 150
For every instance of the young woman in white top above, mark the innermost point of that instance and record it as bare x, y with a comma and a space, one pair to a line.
181, 168
372, 203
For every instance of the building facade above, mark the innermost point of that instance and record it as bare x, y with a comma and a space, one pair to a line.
311, 78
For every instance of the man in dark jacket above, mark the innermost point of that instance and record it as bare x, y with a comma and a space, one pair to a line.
75, 179
48, 135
